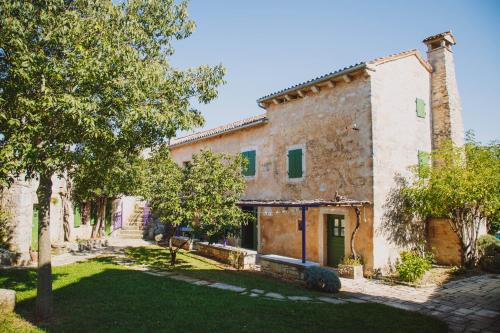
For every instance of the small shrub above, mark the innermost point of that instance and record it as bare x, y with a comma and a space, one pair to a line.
322, 279
489, 249
350, 261
455, 270
413, 266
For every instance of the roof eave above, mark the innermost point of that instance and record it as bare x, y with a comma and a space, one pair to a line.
313, 82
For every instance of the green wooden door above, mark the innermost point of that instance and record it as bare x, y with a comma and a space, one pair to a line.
335, 239
249, 231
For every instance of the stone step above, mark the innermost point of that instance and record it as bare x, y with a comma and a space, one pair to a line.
130, 234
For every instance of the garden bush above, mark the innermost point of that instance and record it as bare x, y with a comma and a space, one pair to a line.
322, 279
489, 249
488, 245
413, 266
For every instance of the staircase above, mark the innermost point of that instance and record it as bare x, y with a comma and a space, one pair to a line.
134, 227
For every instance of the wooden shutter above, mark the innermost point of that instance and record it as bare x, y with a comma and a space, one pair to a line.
420, 107
423, 161
295, 163
250, 169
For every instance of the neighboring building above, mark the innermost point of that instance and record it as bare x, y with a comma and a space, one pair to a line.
344, 134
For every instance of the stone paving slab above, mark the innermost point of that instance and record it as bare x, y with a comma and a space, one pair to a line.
274, 295
225, 286
299, 298
331, 300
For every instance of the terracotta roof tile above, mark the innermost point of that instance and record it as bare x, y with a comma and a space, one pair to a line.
345, 70
243, 123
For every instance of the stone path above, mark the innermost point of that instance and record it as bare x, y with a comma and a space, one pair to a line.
467, 305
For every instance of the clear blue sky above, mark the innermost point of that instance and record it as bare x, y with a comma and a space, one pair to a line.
270, 45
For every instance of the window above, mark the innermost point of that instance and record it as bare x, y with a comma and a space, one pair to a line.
299, 225
250, 156
420, 107
295, 163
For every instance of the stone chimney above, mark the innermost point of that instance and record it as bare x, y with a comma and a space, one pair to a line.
445, 102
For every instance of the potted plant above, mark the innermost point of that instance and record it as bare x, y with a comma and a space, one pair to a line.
351, 268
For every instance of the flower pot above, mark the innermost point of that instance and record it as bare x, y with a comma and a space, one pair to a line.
351, 271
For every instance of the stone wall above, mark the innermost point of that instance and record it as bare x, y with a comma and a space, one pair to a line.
446, 107
284, 268
237, 257
443, 242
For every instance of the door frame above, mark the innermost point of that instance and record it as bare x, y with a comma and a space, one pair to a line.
323, 229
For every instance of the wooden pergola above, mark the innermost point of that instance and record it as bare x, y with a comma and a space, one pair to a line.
304, 205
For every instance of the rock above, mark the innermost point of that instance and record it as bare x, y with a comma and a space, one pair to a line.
158, 237
7, 257
7, 300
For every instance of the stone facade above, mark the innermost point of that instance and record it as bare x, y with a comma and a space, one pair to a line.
358, 128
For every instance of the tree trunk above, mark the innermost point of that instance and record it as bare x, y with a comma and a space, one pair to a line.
353, 250
85, 212
102, 216
173, 252
66, 208
44, 297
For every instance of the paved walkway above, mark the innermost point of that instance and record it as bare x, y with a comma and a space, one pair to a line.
467, 305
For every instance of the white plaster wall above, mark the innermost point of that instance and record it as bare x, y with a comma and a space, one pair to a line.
398, 135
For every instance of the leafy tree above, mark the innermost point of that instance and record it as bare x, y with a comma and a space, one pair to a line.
103, 178
79, 78
462, 186
202, 194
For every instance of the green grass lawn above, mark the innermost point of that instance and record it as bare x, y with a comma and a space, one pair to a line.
100, 296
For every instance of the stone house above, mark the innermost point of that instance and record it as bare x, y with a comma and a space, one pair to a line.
341, 138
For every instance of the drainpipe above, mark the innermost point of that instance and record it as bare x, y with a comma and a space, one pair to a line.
303, 222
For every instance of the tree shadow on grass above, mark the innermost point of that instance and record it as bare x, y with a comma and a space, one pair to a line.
120, 300
20, 280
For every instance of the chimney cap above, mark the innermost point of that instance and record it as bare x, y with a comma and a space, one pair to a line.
446, 36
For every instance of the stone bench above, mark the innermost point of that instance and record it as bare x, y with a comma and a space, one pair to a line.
7, 300
285, 268
237, 257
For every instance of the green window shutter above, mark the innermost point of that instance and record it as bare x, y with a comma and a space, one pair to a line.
78, 216
295, 163
251, 157
423, 160
420, 107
